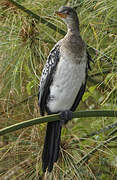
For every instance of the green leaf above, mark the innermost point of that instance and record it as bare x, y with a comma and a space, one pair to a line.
92, 88
85, 96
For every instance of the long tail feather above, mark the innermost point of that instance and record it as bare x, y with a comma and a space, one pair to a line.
51, 145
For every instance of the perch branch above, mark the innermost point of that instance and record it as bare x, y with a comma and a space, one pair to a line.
55, 117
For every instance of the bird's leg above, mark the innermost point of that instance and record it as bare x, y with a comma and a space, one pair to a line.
65, 116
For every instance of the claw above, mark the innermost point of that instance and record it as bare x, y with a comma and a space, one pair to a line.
65, 116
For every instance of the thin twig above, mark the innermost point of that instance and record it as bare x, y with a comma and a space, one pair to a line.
88, 155
104, 72
113, 132
94, 81
103, 54
17, 104
106, 128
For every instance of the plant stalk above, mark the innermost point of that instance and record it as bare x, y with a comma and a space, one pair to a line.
55, 117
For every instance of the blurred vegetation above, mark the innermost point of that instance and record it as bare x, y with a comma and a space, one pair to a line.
25, 43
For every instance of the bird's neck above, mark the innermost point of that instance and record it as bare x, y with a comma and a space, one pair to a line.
73, 28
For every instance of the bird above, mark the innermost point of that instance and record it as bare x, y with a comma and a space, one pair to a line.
62, 83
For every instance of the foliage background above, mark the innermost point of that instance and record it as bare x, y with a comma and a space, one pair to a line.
24, 46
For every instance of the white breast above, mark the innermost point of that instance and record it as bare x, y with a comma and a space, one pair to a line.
66, 84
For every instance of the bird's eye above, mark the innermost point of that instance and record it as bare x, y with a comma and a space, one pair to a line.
66, 12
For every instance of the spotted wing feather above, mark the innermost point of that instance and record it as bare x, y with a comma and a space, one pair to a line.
47, 77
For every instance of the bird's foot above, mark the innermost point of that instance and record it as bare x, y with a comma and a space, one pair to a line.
65, 116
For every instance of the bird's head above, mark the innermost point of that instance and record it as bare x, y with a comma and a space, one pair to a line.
68, 15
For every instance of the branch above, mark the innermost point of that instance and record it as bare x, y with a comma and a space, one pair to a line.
55, 117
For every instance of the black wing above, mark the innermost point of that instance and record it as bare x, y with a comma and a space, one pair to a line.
47, 77
82, 89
